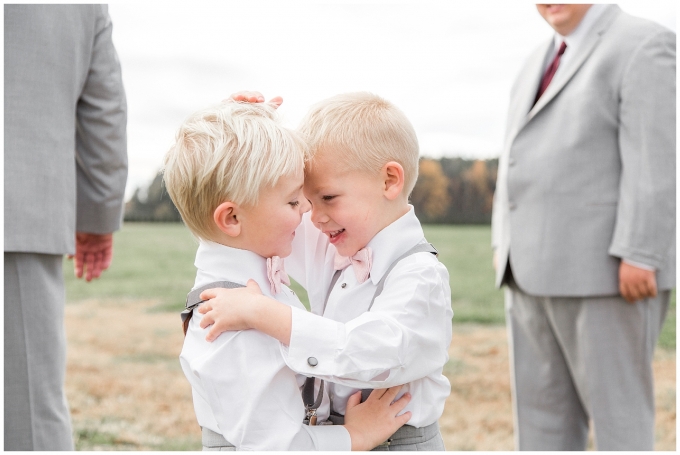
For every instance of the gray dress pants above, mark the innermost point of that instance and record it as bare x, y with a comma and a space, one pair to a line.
36, 412
575, 360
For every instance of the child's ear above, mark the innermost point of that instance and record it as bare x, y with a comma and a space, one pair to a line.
226, 218
393, 178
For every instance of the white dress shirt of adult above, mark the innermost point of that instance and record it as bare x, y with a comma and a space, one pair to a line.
403, 339
241, 386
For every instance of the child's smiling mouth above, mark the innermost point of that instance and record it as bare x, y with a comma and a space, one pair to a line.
333, 235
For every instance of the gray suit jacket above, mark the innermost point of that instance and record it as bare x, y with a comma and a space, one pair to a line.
65, 118
587, 176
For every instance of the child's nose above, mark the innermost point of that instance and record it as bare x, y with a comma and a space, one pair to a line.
318, 216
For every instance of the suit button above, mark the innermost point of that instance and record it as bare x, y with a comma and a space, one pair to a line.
343, 285
312, 361
513, 206
512, 162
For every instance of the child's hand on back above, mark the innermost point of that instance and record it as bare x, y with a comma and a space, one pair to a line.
370, 423
228, 309
254, 97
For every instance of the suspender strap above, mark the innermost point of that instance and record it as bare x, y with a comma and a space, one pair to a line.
311, 404
194, 299
336, 275
420, 248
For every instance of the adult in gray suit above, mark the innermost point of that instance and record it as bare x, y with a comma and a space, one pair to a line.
65, 173
584, 227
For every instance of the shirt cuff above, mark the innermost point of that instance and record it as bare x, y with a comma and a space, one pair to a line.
330, 437
314, 342
640, 265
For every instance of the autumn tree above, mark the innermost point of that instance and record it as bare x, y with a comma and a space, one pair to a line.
430, 196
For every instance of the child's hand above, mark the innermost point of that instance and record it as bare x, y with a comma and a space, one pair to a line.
228, 309
370, 423
254, 97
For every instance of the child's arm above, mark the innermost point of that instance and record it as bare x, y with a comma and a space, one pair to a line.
404, 337
245, 388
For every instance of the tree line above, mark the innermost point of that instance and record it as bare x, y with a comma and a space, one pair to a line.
448, 191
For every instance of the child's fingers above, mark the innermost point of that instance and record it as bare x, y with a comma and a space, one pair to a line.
401, 403
207, 320
403, 419
208, 294
391, 393
213, 333
253, 286
204, 307
353, 400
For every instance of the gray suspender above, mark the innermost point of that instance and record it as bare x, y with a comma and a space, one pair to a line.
194, 299
419, 248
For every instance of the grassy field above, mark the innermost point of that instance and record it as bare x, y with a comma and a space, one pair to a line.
155, 261
126, 390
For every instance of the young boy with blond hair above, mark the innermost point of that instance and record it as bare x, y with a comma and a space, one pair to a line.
367, 268
235, 175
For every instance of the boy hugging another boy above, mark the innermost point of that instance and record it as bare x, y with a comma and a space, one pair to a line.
367, 268
236, 178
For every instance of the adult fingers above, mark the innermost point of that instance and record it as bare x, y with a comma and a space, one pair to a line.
276, 101
89, 266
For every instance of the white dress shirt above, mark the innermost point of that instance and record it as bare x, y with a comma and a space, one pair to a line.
241, 386
575, 39
403, 339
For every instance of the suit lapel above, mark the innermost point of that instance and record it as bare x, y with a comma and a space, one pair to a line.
530, 77
577, 61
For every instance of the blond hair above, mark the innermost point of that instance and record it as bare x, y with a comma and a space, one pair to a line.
228, 152
364, 132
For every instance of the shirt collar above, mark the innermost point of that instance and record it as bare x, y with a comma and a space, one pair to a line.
575, 39
217, 262
393, 241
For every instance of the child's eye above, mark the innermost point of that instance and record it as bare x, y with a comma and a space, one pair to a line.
294, 203
327, 198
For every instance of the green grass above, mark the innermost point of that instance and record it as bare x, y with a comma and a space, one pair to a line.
155, 261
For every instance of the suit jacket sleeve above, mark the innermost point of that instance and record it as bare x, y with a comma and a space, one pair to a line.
101, 148
645, 224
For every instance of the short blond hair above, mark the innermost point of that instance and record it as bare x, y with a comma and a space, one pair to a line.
365, 132
228, 152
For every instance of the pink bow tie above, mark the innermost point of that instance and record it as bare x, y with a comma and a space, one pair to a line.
276, 274
361, 262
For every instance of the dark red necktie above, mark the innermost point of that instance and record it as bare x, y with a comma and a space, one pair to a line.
550, 71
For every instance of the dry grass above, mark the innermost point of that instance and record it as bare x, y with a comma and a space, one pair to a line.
127, 391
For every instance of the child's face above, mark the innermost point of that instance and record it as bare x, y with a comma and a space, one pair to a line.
346, 205
269, 227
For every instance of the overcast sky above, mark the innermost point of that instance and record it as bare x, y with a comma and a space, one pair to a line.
447, 64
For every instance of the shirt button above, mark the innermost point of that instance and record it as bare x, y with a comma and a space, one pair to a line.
343, 285
312, 361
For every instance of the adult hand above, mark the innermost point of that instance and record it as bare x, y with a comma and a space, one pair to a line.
370, 423
636, 283
248, 96
93, 254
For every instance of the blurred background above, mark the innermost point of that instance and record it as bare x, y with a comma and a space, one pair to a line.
449, 65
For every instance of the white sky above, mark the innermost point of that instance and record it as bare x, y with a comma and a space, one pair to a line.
448, 65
